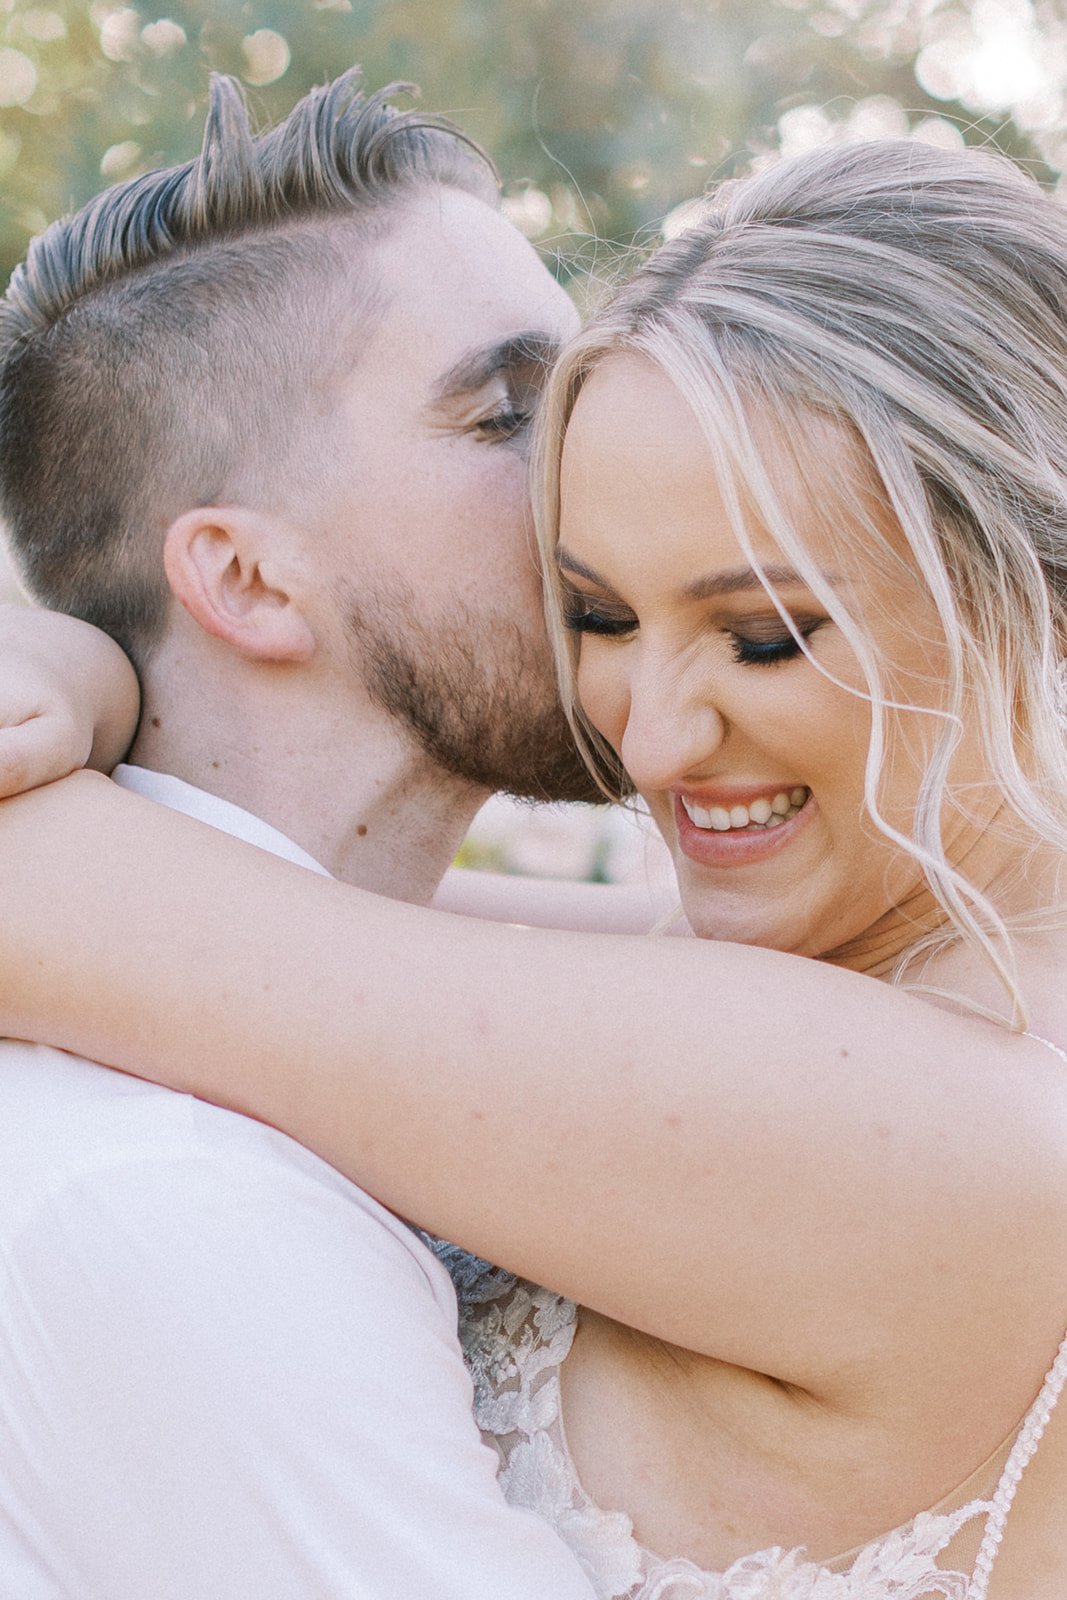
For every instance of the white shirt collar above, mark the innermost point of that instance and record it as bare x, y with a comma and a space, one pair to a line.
217, 813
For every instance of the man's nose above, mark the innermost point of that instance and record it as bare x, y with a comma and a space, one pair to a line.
673, 727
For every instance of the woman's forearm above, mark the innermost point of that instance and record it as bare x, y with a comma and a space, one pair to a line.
561, 903
68, 698
718, 1144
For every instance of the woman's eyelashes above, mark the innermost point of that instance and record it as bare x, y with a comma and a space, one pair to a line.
584, 613
769, 650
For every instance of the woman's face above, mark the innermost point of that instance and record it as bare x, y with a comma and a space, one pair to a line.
750, 758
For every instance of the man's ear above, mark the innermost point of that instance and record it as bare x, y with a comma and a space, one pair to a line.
225, 565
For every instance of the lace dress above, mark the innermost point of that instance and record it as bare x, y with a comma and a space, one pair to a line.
515, 1337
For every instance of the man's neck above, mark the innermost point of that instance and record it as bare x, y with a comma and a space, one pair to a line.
360, 799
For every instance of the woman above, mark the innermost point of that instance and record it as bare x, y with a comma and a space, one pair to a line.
805, 526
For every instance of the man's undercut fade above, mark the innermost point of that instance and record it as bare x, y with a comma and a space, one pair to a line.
173, 343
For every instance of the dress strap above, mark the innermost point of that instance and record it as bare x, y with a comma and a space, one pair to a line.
1023, 1451
1048, 1045
1034, 1425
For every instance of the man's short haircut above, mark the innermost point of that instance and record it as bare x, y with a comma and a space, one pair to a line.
171, 344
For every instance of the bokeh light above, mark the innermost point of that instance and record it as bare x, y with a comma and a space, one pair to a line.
18, 78
266, 56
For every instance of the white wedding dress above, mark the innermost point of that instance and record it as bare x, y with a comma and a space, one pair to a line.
515, 1337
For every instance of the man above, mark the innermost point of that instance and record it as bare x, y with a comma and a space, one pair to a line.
262, 417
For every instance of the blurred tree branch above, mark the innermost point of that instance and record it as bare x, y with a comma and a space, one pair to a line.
602, 114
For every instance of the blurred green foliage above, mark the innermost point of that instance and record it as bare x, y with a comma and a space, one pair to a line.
602, 114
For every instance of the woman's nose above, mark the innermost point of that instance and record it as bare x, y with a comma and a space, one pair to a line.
673, 729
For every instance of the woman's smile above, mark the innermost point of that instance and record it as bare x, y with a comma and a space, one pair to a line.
725, 831
718, 675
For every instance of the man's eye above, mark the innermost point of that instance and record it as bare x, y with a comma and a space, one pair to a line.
583, 614
506, 422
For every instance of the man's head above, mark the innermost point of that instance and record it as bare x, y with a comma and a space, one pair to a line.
241, 384
163, 348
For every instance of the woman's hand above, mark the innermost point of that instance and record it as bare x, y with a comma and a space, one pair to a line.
68, 698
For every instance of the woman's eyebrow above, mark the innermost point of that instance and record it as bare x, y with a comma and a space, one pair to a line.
740, 579
715, 584
571, 563
476, 368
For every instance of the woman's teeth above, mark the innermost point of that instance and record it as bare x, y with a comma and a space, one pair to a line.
763, 813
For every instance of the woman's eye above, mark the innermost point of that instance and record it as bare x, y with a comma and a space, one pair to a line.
768, 652
583, 614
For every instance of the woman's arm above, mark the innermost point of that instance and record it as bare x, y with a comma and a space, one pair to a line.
68, 698
561, 903
774, 1162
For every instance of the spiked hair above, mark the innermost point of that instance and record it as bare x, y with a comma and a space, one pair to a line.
159, 348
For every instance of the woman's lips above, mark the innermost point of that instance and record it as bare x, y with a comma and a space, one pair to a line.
750, 838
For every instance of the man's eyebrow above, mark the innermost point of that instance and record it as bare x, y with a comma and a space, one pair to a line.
739, 580
478, 367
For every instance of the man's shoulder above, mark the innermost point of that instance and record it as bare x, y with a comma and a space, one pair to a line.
71, 1129
57, 1107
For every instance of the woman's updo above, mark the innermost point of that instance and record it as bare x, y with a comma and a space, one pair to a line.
918, 298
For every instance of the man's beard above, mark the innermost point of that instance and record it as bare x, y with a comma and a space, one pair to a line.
474, 692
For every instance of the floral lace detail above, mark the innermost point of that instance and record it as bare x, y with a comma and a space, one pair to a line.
475, 1280
515, 1337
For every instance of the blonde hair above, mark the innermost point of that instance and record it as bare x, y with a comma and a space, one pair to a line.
919, 299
